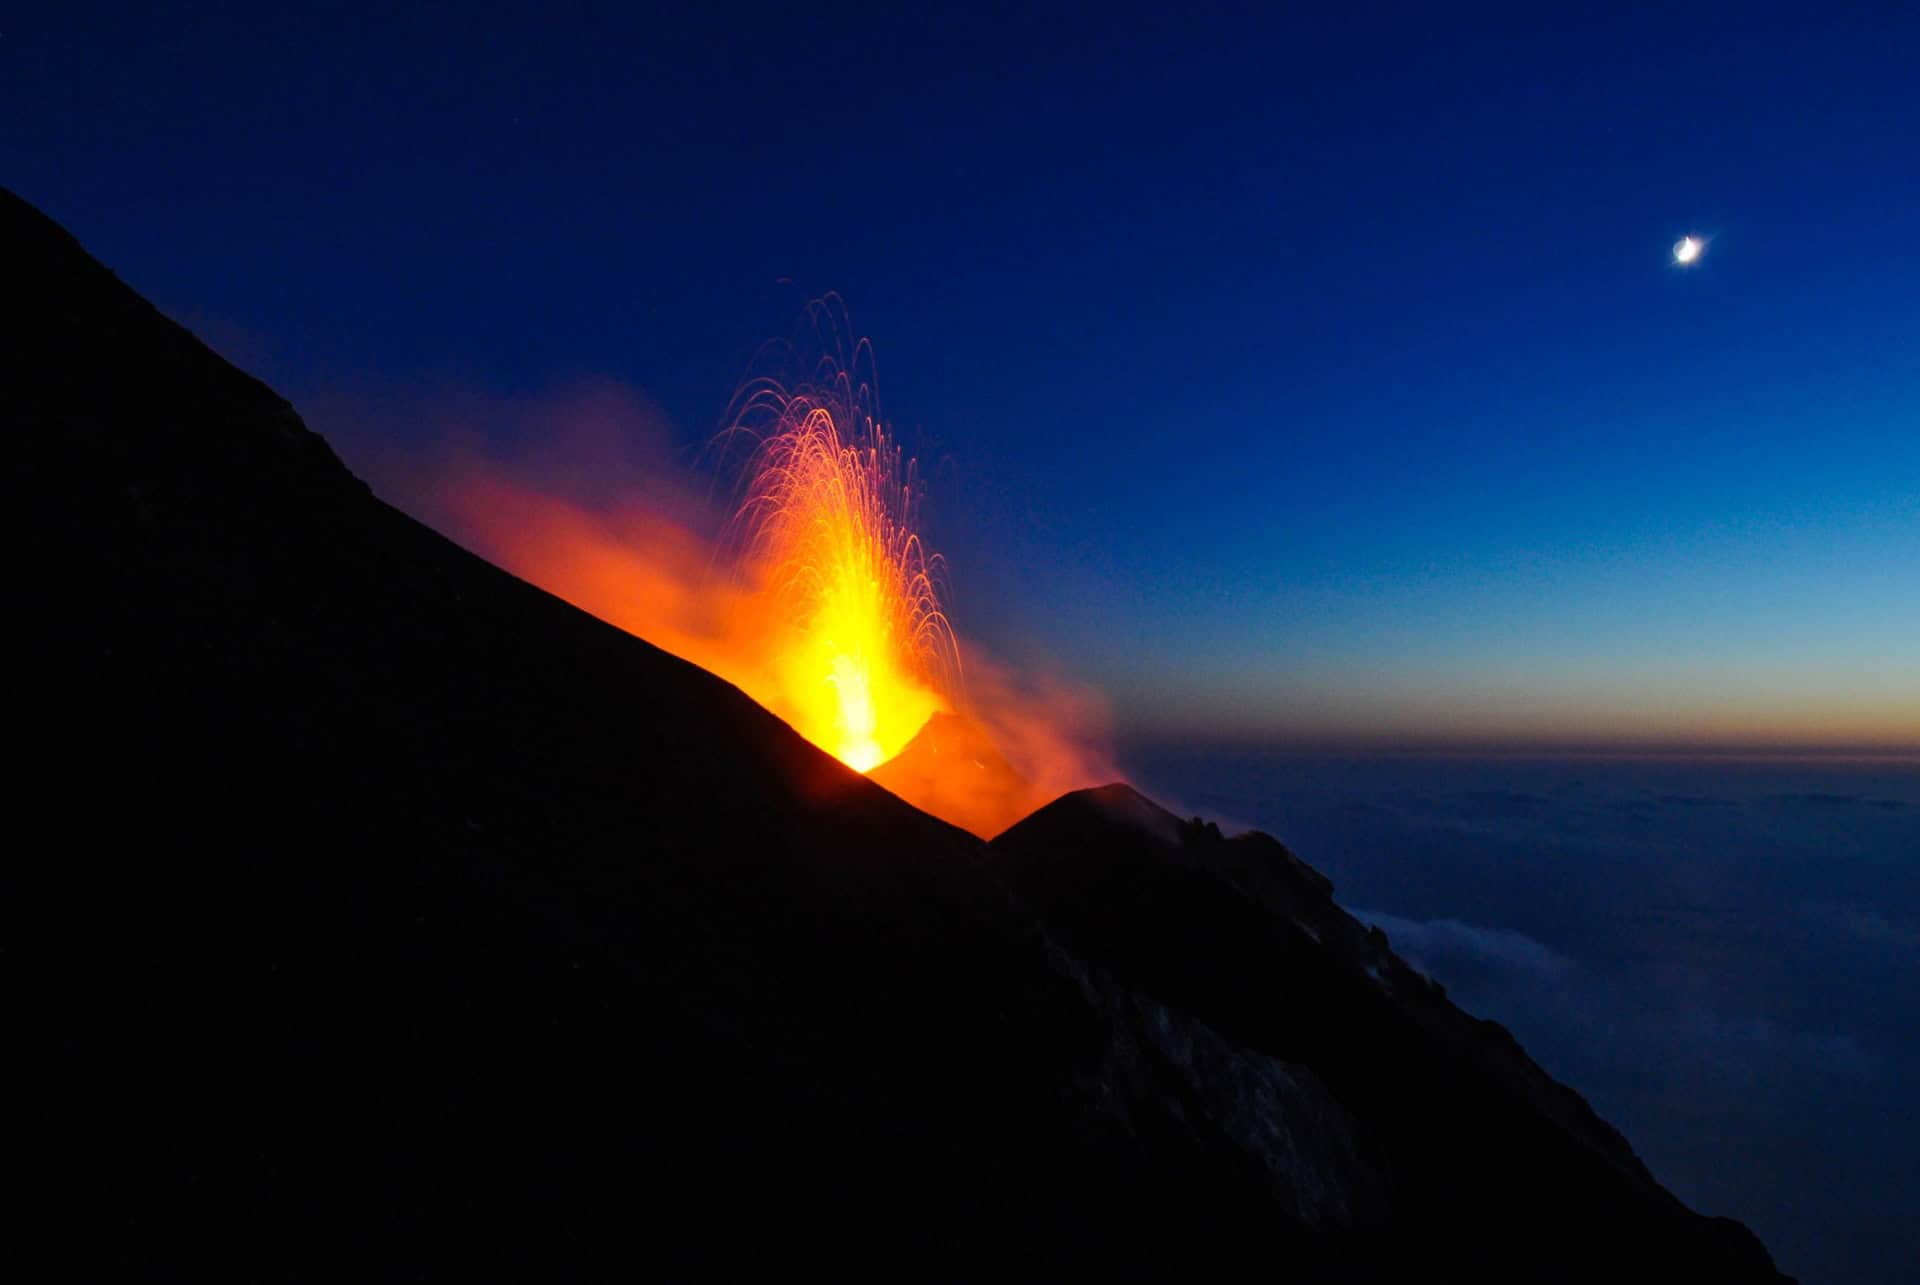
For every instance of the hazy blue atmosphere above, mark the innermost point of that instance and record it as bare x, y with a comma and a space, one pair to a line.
1722, 956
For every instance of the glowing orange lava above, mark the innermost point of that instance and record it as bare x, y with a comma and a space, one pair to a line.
824, 606
862, 653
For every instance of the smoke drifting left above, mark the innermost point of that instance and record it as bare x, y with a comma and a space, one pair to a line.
586, 493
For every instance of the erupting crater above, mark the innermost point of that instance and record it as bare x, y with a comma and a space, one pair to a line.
861, 646
819, 598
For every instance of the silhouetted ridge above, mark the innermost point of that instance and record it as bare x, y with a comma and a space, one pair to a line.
1482, 1146
372, 914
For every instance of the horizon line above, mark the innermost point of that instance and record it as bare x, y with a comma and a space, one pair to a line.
1283, 743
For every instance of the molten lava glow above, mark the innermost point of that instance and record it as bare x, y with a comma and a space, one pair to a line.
863, 651
824, 605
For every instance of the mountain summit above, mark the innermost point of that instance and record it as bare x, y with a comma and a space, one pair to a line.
372, 914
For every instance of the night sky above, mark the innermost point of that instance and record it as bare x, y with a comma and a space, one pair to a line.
1281, 375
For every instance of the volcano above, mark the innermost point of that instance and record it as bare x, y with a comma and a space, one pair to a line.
369, 913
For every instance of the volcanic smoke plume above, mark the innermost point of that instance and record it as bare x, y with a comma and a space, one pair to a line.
811, 591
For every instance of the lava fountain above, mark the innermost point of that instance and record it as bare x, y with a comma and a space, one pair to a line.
811, 591
862, 650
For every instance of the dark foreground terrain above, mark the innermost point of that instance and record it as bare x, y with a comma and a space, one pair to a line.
371, 914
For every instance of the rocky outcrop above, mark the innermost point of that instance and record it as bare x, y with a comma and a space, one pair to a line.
1487, 1165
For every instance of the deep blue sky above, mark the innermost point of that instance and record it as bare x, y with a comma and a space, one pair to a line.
1313, 374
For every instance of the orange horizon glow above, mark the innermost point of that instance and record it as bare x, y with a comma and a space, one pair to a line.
1638, 714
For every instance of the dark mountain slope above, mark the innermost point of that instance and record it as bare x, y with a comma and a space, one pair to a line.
1485, 1158
370, 913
